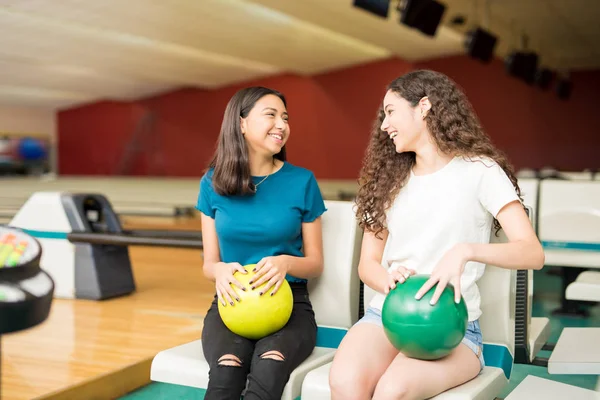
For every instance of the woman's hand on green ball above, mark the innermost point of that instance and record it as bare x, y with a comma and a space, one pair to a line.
400, 274
224, 279
272, 271
448, 270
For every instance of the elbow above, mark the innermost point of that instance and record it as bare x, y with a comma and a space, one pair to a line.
319, 266
538, 258
541, 260
311, 268
361, 271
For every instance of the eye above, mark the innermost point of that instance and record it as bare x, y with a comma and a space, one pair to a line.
390, 112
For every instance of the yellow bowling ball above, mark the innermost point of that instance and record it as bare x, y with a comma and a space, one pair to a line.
255, 317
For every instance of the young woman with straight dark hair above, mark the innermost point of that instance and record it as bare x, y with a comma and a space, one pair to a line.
257, 208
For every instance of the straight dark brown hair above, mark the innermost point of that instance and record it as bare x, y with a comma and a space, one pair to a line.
231, 162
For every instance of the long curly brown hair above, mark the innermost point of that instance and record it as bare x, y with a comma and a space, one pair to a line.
454, 128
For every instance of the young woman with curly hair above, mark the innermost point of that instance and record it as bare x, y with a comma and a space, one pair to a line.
432, 187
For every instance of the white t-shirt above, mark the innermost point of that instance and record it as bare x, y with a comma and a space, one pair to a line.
433, 212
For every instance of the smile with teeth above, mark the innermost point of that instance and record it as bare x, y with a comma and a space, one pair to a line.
277, 136
393, 135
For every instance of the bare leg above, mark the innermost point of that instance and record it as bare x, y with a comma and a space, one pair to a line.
409, 378
363, 356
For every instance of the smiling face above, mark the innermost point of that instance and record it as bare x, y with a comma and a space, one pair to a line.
405, 124
266, 128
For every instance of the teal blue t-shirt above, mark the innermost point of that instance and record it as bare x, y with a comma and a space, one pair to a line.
267, 223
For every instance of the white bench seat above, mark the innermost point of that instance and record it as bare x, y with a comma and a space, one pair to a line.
487, 385
585, 288
185, 365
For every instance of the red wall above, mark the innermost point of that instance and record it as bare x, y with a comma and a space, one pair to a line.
91, 139
331, 117
534, 127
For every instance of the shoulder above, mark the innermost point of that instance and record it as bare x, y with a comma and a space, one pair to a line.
297, 172
206, 180
478, 166
477, 162
208, 174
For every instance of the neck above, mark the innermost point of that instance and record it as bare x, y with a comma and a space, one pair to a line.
261, 165
430, 159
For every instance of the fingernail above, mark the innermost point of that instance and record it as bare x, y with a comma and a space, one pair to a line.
431, 302
232, 303
254, 270
244, 289
260, 293
238, 299
272, 293
252, 287
250, 282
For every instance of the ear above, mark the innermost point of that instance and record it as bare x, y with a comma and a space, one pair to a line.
425, 106
243, 125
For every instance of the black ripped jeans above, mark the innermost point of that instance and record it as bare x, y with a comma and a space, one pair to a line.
263, 378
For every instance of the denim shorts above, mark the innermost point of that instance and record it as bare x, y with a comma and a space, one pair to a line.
473, 338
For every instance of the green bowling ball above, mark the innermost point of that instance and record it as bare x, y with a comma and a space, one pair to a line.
418, 329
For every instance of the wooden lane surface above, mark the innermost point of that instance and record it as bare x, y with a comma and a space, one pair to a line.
111, 342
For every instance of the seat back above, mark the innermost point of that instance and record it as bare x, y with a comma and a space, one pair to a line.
335, 294
569, 222
497, 288
531, 212
569, 212
529, 192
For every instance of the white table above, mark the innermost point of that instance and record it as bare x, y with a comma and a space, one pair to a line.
577, 351
534, 387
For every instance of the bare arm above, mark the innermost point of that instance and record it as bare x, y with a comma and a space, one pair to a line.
523, 250
211, 247
311, 265
370, 270
216, 270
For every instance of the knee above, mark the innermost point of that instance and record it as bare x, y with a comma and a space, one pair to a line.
392, 388
268, 376
229, 369
272, 355
229, 360
346, 384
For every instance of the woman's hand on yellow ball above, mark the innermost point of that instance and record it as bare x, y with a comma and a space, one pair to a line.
399, 274
223, 280
272, 271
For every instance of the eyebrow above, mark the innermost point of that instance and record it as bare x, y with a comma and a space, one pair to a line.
386, 106
272, 109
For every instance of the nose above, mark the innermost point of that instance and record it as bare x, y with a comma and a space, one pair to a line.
280, 124
384, 124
